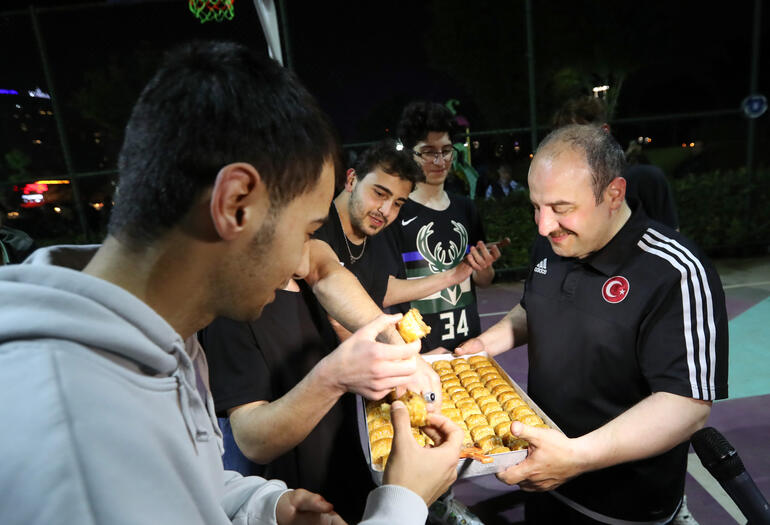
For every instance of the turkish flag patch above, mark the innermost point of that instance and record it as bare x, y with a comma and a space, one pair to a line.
615, 289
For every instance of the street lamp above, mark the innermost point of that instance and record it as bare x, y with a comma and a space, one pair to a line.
600, 91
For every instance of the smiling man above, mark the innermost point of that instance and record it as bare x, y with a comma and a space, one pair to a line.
374, 193
627, 332
576, 221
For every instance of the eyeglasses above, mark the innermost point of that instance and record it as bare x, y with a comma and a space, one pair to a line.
444, 154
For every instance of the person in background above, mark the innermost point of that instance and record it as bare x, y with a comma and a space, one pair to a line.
436, 230
435, 233
504, 184
113, 420
649, 184
644, 181
626, 326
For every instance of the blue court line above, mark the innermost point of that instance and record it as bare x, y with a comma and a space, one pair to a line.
750, 352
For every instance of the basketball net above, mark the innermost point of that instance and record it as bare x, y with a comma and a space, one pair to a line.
216, 10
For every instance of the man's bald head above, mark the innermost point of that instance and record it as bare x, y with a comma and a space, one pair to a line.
603, 154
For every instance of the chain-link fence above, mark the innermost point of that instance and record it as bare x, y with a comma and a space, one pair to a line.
62, 123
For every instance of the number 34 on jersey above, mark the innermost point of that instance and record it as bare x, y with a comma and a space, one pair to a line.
454, 327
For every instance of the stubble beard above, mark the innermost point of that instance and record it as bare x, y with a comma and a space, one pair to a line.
357, 217
252, 263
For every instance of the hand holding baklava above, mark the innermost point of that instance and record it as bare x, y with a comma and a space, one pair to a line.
411, 327
370, 368
426, 471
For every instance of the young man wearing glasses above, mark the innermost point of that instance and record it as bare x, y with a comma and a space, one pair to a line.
436, 230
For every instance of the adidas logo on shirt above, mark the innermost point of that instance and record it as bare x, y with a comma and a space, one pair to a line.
542, 267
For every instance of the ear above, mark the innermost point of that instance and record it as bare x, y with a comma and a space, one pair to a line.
616, 192
239, 196
350, 179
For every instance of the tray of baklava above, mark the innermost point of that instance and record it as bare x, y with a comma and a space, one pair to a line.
480, 397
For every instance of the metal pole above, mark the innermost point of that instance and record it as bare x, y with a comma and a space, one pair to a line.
288, 60
531, 69
753, 87
59, 124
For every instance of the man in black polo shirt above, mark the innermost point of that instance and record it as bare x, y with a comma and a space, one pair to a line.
627, 333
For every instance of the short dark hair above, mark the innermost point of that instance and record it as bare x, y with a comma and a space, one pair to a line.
500, 166
420, 118
582, 110
604, 155
386, 156
211, 104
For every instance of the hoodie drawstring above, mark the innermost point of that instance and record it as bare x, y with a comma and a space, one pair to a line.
190, 400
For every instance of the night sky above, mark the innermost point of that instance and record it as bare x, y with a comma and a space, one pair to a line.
365, 60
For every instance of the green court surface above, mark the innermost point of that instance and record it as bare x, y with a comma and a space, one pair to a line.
750, 352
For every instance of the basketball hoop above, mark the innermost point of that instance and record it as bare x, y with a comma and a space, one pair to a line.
217, 10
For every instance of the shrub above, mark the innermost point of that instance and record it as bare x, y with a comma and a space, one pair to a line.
510, 217
727, 213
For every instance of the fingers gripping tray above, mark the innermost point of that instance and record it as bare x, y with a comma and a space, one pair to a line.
480, 397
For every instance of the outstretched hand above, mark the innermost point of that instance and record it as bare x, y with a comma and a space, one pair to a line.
370, 368
471, 346
426, 471
552, 460
301, 507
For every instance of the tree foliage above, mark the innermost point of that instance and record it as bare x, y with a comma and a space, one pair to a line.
18, 165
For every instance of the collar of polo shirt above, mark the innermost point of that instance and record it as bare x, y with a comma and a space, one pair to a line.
611, 257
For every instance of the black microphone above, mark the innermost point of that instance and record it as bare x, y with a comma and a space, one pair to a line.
722, 461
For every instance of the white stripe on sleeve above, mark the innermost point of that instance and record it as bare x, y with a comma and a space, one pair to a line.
693, 277
712, 351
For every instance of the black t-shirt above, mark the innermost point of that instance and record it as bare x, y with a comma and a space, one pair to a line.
429, 242
644, 314
649, 184
377, 256
263, 360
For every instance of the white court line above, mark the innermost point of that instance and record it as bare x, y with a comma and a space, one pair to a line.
494, 313
712, 486
746, 285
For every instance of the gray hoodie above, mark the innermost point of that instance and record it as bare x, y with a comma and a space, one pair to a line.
106, 419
